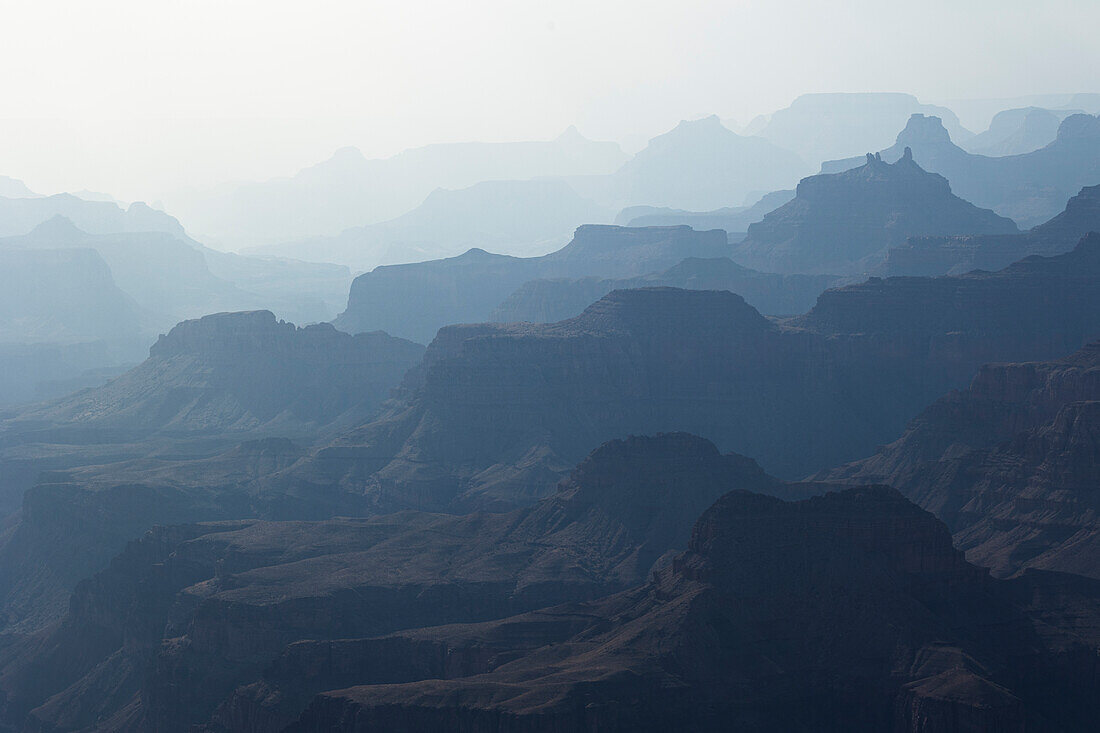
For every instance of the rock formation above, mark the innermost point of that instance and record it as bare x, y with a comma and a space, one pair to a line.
956, 255
699, 165
414, 301
241, 372
1010, 464
1017, 131
850, 611
546, 301
823, 127
1028, 188
844, 223
498, 410
735, 220
210, 605
62, 296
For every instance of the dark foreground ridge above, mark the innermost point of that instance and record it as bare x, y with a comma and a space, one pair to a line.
850, 611
1009, 464
215, 603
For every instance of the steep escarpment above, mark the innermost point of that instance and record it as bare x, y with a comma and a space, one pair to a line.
1010, 464
415, 301
241, 372
850, 611
845, 222
188, 613
956, 255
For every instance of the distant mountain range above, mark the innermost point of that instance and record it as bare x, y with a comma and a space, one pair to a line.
698, 165
1017, 131
520, 217
820, 127
349, 190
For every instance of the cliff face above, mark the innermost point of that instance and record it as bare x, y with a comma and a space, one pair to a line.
844, 222
1010, 464
242, 372
956, 255
188, 613
415, 301
1028, 188
850, 611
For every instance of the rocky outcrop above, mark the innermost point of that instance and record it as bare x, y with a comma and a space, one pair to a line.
242, 372
845, 222
850, 611
1028, 188
1010, 464
956, 255
546, 301
188, 613
415, 301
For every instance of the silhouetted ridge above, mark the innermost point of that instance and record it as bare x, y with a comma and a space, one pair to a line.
957, 255
876, 519
240, 371
416, 300
923, 130
1029, 187
647, 311
846, 222
1031, 296
850, 611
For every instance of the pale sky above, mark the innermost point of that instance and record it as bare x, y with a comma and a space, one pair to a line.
140, 97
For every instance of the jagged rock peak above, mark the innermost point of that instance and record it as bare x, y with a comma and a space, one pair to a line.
923, 129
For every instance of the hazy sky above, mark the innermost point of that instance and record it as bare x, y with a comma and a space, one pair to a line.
139, 97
